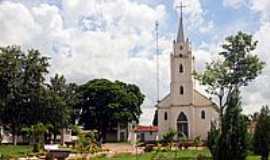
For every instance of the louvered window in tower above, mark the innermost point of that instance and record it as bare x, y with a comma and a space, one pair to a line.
181, 90
181, 68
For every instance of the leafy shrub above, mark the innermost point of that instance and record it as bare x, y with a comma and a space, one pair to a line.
169, 136
149, 148
201, 157
87, 143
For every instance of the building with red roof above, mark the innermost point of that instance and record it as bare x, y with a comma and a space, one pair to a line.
142, 133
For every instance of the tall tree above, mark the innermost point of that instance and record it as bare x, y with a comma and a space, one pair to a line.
60, 109
235, 68
261, 141
233, 139
22, 78
105, 103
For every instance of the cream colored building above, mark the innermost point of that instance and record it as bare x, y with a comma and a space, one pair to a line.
185, 109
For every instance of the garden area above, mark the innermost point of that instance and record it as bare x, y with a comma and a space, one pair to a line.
179, 155
10, 151
15, 151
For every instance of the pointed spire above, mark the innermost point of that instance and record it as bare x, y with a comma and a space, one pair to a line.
180, 34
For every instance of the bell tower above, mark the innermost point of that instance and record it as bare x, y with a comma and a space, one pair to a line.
181, 68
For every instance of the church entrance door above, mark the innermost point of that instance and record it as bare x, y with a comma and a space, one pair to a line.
182, 125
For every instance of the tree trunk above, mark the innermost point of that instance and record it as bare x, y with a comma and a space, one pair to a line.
54, 137
14, 138
103, 133
265, 156
1, 136
62, 137
221, 112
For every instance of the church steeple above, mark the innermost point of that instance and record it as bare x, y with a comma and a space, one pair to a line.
180, 33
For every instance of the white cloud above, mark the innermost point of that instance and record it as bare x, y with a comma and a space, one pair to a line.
262, 7
92, 39
234, 3
257, 94
195, 16
16, 22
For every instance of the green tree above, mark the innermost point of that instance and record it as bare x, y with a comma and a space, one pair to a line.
36, 134
213, 139
59, 109
169, 136
155, 120
233, 139
235, 68
22, 79
105, 103
261, 141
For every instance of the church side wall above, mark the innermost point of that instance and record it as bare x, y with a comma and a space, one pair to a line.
163, 125
203, 125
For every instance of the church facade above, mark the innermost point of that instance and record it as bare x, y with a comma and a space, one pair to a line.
185, 109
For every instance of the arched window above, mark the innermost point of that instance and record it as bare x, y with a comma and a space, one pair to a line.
181, 90
181, 69
203, 114
165, 116
182, 125
181, 47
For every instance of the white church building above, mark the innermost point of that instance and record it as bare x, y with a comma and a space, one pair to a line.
185, 109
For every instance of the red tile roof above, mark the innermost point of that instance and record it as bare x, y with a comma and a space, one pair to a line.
146, 129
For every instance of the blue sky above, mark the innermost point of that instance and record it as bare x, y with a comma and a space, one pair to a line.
115, 39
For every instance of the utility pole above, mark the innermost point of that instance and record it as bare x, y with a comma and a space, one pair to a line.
157, 61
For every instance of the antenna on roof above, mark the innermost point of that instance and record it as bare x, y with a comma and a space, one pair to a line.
157, 61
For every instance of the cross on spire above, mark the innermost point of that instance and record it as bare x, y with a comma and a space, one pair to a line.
181, 6
180, 34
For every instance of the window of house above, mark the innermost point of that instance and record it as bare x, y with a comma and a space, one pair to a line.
181, 90
203, 114
165, 116
181, 69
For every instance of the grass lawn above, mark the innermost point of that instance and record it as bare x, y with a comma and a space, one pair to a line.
15, 151
183, 155
22, 150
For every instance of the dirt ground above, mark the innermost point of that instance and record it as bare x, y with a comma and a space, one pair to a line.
120, 147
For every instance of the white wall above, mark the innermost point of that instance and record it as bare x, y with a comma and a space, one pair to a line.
148, 136
197, 125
